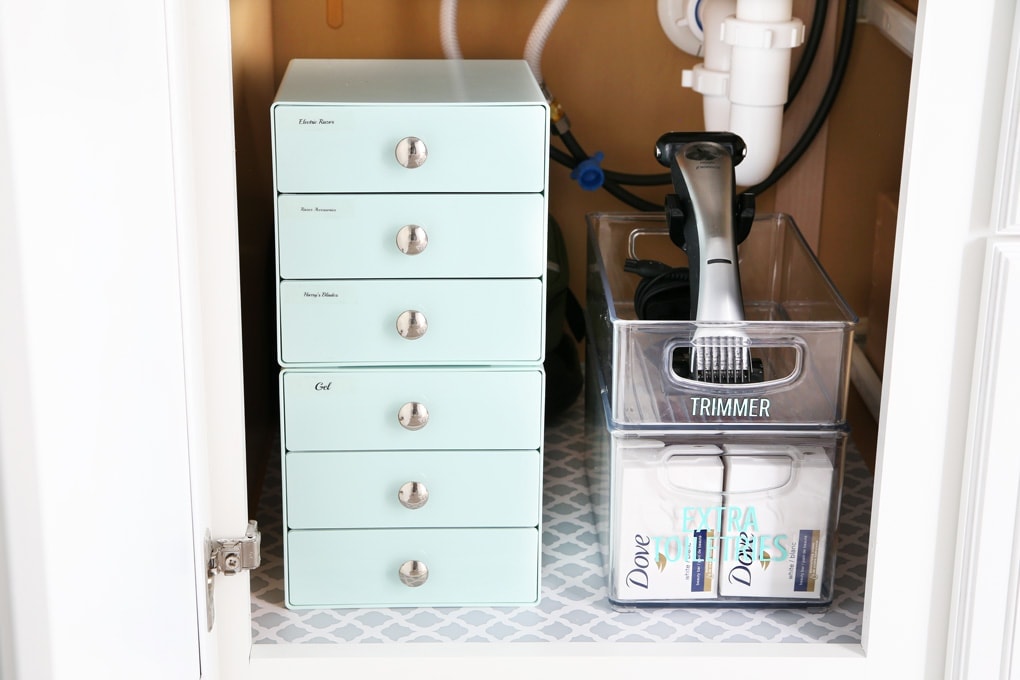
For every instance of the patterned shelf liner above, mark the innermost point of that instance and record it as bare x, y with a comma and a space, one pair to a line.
573, 606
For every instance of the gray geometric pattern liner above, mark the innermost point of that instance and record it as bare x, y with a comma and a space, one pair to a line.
573, 607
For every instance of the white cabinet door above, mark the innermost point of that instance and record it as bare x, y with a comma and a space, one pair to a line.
95, 415
985, 630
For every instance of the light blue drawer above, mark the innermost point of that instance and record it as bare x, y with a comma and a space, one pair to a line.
360, 568
356, 322
464, 236
360, 409
352, 149
359, 489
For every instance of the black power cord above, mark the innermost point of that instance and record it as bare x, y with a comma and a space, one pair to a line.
664, 292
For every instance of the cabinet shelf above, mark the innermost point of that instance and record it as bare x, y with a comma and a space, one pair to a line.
573, 606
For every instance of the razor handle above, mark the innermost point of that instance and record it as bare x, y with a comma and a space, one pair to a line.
702, 172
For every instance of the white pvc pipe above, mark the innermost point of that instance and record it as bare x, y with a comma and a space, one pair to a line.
715, 101
761, 37
760, 127
765, 10
745, 76
543, 26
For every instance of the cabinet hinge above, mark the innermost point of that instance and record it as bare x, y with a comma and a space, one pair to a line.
230, 556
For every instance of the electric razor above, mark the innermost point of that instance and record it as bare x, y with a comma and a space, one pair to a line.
708, 219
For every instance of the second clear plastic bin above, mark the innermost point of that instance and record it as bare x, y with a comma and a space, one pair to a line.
799, 327
688, 517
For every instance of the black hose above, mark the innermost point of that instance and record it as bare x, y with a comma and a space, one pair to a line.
577, 154
839, 67
810, 50
630, 199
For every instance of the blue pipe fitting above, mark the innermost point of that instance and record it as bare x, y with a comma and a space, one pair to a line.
588, 173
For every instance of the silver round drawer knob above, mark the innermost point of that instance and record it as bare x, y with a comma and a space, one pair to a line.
413, 573
413, 495
412, 324
411, 152
413, 415
412, 239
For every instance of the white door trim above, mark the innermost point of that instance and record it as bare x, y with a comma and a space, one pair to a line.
984, 623
98, 529
985, 598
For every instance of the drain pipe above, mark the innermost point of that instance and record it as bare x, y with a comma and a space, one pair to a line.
746, 75
711, 78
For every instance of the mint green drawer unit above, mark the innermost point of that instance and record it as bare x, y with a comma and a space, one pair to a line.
361, 489
413, 236
412, 410
411, 209
412, 567
462, 149
420, 321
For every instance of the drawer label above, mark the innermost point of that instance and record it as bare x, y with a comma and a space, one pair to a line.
317, 209
315, 121
319, 296
326, 294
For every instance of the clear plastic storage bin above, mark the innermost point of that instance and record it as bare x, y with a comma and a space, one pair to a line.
716, 494
799, 327
688, 517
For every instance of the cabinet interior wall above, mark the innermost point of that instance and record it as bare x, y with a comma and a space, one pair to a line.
618, 77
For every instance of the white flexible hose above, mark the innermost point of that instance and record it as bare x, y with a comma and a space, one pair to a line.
547, 18
448, 29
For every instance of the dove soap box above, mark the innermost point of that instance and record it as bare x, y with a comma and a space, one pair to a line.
668, 503
776, 522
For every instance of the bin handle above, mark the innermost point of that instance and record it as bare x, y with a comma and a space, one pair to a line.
639, 232
791, 477
666, 482
794, 343
662, 471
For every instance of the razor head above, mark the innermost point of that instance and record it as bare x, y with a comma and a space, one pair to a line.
678, 206
721, 359
671, 143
